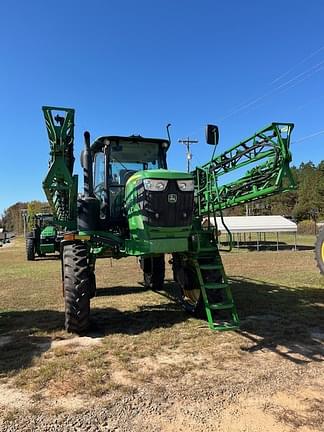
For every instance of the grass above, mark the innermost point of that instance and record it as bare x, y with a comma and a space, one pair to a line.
144, 338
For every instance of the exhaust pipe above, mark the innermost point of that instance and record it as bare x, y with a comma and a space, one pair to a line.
86, 162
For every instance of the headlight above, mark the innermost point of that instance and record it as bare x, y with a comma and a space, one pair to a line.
185, 185
155, 185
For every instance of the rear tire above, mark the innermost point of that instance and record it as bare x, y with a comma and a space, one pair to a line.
154, 273
319, 250
30, 248
77, 288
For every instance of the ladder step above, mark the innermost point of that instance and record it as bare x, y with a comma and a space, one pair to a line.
208, 258
221, 306
213, 285
224, 326
210, 266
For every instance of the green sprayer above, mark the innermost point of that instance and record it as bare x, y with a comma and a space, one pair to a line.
132, 205
44, 237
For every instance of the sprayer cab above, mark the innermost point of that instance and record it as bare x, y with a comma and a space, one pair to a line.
114, 160
128, 188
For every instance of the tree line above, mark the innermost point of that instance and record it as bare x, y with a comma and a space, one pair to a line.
304, 203
12, 218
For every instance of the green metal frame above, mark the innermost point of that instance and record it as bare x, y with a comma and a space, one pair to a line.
60, 185
268, 147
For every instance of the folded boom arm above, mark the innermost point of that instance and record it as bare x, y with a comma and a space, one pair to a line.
60, 185
266, 152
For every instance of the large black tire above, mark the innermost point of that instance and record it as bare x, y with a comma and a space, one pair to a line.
78, 285
189, 294
30, 248
319, 251
154, 272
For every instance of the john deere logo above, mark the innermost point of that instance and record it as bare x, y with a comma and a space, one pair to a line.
172, 198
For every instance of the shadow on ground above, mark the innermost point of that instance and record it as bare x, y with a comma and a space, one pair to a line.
288, 321
21, 339
21, 332
148, 317
120, 290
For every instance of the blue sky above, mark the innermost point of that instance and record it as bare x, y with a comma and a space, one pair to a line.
133, 66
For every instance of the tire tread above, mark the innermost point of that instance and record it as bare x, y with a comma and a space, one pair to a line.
76, 288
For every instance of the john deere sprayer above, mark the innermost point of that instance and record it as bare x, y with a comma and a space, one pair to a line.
132, 205
43, 237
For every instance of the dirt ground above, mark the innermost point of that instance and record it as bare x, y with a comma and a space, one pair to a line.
148, 366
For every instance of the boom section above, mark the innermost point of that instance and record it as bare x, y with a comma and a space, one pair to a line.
267, 155
60, 185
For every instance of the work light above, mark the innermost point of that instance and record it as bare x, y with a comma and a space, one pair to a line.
185, 185
155, 185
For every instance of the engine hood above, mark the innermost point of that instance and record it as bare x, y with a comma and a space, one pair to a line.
158, 174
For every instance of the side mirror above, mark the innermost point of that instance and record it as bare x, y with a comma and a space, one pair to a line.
212, 134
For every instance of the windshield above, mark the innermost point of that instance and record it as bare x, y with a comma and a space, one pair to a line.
125, 159
142, 153
44, 221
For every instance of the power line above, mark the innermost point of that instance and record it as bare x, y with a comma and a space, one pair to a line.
282, 90
308, 136
259, 98
311, 101
250, 102
304, 60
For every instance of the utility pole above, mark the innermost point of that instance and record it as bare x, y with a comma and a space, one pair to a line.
24, 214
187, 142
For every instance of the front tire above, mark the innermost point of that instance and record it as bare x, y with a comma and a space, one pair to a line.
190, 295
30, 248
319, 250
77, 288
154, 272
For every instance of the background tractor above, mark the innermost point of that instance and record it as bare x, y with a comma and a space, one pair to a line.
133, 205
5, 236
44, 236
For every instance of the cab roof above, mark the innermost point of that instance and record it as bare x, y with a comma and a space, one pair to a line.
136, 139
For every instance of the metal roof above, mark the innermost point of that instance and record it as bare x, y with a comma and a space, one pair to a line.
241, 224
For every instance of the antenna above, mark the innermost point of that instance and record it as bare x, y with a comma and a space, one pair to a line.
187, 142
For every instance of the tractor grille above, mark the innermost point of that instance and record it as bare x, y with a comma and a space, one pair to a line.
170, 208
48, 240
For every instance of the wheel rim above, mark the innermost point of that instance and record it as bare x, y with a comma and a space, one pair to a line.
190, 293
191, 296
